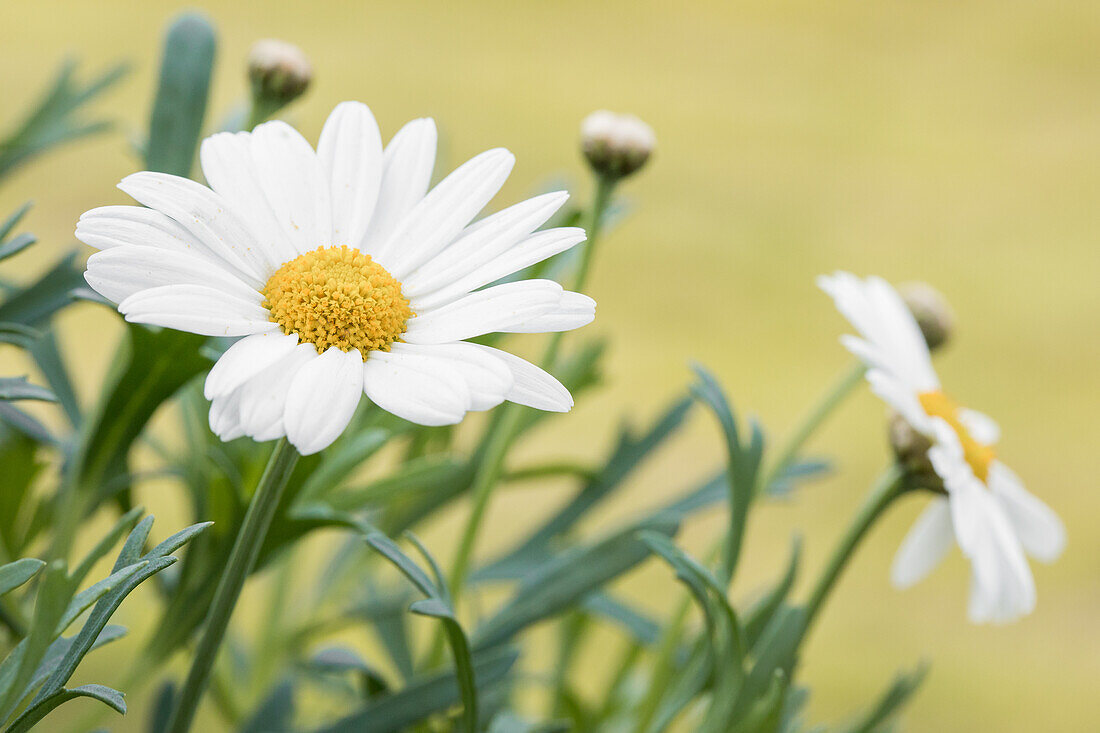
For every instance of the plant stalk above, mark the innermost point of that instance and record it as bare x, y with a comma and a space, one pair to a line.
246, 548
889, 486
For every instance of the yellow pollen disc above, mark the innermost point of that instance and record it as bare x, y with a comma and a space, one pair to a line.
978, 455
338, 296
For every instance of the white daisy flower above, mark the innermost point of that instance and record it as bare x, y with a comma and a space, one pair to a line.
341, 274
986, 511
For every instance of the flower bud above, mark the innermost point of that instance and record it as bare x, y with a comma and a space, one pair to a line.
279, 72
911, 450
616, 145
931, 310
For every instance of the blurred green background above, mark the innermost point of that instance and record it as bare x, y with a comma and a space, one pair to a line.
955, 142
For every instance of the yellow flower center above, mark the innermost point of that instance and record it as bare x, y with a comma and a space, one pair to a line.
978, 455
338, 296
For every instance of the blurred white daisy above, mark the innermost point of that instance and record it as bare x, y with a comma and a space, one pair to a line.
341, 274
986, 510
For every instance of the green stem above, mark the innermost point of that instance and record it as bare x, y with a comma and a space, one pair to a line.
605, 186
889, 486
502, 431
242, 558
828, 402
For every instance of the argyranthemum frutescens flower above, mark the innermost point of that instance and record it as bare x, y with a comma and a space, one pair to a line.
341, 274
986, 509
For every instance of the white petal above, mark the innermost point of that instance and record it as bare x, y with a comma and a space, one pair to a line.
439, 217
294, 183
486, 377
532, 386
227, 164
406, 172
198, 309
925, 545
981, 427
245, 359
350, 150
225, 417
1038, 528
535, 248
415, 389
1002, 588
120, 226
902, 399
119, 272
573, 310
875, 309
208, 217
322, 399
483, 241
498, 308
263, 397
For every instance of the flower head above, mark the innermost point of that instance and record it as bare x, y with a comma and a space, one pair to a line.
339, 273
616, 145
986, 510
930, 309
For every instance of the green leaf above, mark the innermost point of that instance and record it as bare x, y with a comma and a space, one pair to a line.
18, 667
567, 578
16, 245
18, 335
892, 700
507, 722
793, 474
54, 119
761, 613
775, 651
18, 388
25, 424
726, 645
341, 461
340, 660
15, 574
47, 356
12, 221
275, 714
424, 696
627, 455
33, 304
150, 368
436, 605
185, 70
148, 565
744, 464
124, 524
637, 624
109, 697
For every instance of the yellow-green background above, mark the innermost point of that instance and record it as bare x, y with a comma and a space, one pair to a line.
956, 141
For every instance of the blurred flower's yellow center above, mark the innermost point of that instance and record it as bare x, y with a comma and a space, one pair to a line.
338, 296
978, 455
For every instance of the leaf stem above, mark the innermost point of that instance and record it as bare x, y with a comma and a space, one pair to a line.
889, 486
242, 557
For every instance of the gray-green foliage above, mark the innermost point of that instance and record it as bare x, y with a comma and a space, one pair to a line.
728, 662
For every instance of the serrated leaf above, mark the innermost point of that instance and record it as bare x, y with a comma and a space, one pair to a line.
25, 424
47, 355
15, 574
180, 105
124, 524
